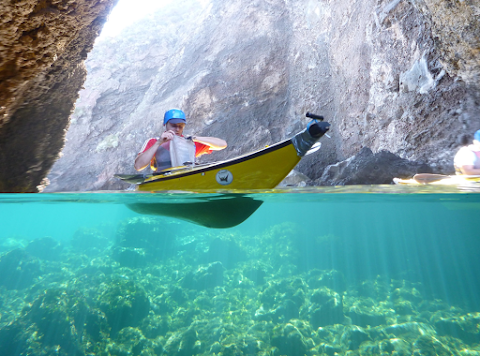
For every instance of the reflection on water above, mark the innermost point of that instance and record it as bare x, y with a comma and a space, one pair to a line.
351, 270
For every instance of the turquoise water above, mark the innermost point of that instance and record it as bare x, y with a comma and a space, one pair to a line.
348, 271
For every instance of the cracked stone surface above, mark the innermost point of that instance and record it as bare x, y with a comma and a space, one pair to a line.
42, 49
396, 75
382, 72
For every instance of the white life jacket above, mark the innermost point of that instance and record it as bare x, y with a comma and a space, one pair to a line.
182, 151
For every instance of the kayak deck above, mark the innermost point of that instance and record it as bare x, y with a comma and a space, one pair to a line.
438, 179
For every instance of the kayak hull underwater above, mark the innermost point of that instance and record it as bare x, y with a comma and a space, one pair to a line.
219, 212
438, 179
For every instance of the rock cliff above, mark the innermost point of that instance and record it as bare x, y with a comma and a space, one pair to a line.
42, 49
397, 75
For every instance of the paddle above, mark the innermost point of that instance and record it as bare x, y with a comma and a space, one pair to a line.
140, 178
132, 178
426, 178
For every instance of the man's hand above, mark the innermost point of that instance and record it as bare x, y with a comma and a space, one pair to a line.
167, 136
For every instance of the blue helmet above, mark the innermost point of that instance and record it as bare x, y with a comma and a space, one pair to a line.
176, 115
477, 135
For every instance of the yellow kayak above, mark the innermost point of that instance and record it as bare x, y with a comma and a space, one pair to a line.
439, 179
262, 169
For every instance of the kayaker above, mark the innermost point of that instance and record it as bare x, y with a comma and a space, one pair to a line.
467, 159
156, 150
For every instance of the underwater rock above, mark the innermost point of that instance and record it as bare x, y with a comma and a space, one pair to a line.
283, 313
154, 326
45, 248
161, 306
12, 243
18, 269
97, 268
96, 325
404, 307
409, 329
53, 324
146, 312
124, 303
327, 308
428, 345
256, 274
434, 305
353, 336
378, 289
465, 327
323, 295
281, 301
330, 350
402, 347
59, 316
232, 350
288, 310
226, 251
367, 312
177, 294
13, 339
364, 318
263, 315
188, 344
89, 241
277, 293
131, 341
251, 345
407, 291
130, 256
384, 347
151, 234
326, 334
215, 348
206, 277
289, 340
332, 279
183, 343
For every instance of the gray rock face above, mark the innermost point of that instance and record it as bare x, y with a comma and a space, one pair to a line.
393, 75
379, 168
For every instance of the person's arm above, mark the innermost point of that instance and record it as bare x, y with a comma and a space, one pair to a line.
216, 144
143, 159
470, 170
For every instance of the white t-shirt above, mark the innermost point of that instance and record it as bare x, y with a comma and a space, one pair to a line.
466, 157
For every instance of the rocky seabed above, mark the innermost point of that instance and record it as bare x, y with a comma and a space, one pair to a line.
178, 292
